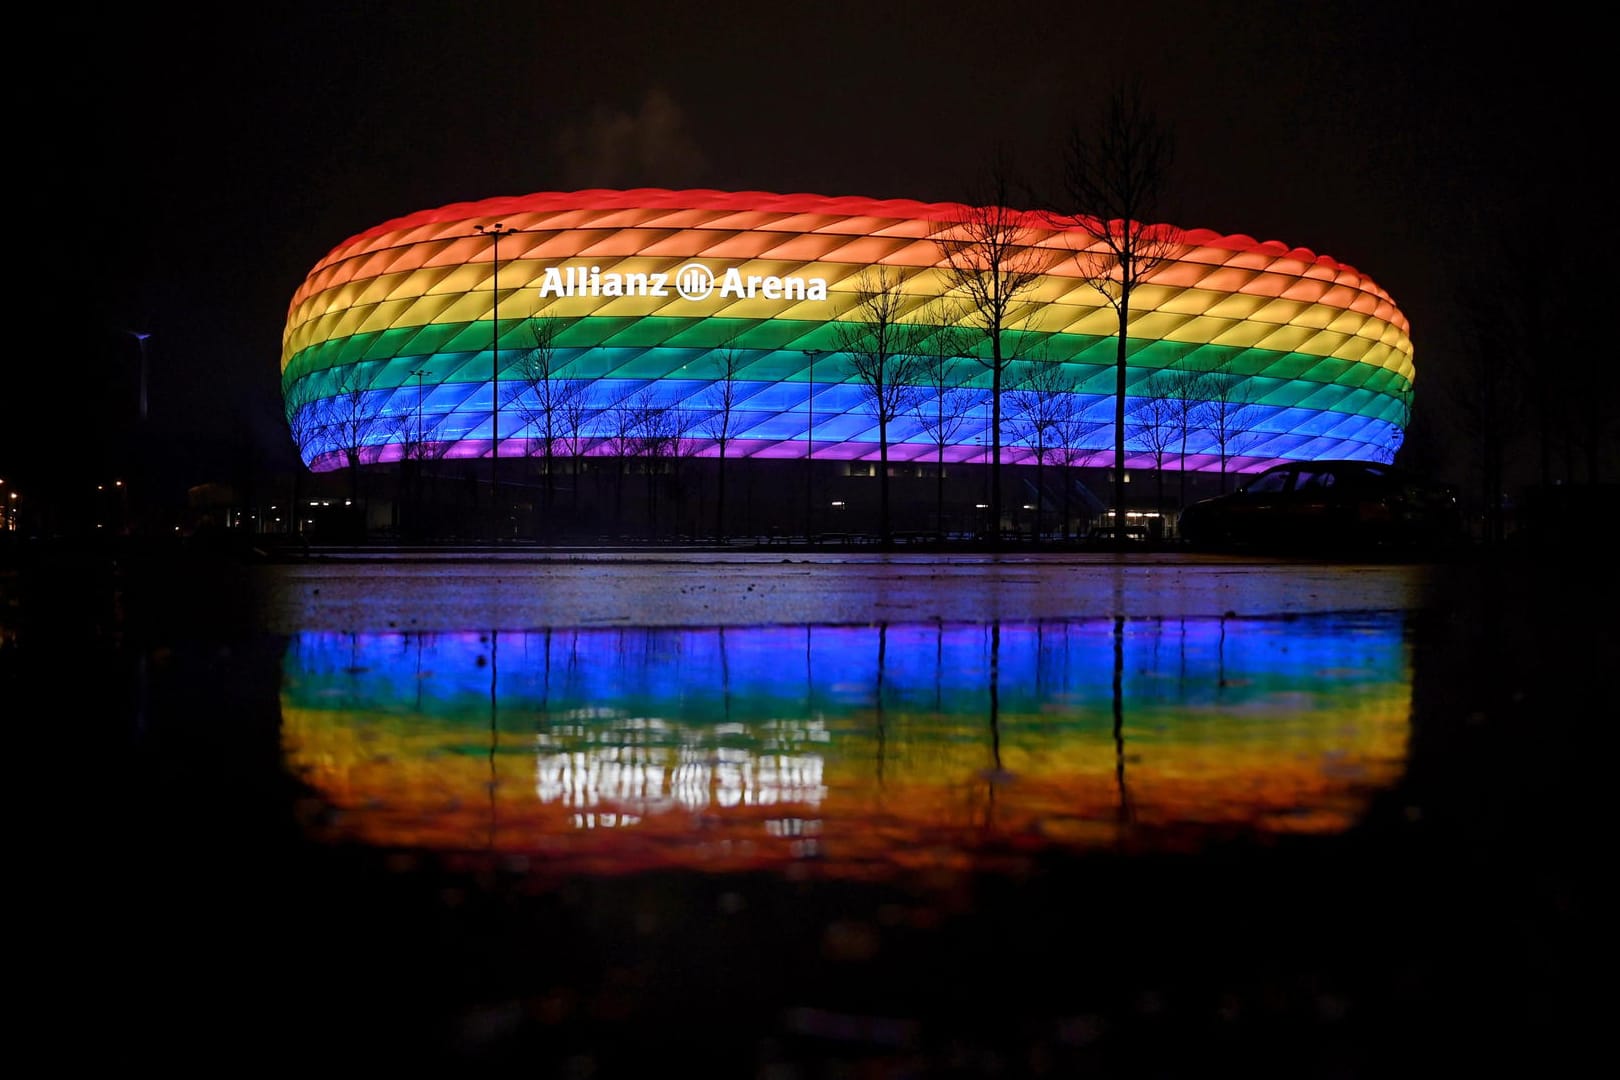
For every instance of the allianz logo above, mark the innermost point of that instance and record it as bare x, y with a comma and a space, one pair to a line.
694, 281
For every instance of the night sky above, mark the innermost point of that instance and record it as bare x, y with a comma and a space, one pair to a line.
194, 167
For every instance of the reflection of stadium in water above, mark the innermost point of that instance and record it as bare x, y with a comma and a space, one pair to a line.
859, 746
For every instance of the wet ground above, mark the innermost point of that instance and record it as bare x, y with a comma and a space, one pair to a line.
597, 814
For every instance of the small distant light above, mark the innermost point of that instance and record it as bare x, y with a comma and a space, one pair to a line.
981, 506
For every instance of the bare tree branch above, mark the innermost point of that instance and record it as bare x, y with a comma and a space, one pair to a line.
948, 399
1116, 172
884, 352
540, 393
719, 422
1038, 411
1227, 412
991, 265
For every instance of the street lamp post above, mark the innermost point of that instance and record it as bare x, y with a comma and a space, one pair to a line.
140, 436
141, 337
495, 232
810, 449
418, 454
419, 373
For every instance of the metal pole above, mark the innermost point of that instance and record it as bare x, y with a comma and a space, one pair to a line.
495, 232
142, 437
419, 454
810, 450
419, 373
141, 338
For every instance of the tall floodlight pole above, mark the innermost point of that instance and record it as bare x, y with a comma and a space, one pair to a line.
810, 449
141, 436
495, 232
419, 454
141, 337
419, 373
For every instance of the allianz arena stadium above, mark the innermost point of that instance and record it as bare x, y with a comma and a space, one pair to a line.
411, 331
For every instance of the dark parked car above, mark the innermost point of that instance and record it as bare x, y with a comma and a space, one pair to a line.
1328, 505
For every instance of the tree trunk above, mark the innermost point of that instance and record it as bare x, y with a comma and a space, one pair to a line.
550, 495
883, 483
720, 498
1119, 425
995, 442
1040, 490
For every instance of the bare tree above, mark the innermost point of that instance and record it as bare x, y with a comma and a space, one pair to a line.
1076, 447
416, 447
719, 422
680, 426
409, 426
573, 435
651, 434
1116, 172
1037, 409
1228, 411
621, 434
948, 400
991, 265
540, 394
885, 355
302, 408
353, 422
1184, 382
1157, 421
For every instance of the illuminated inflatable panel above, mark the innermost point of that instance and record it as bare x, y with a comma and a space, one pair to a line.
390, 343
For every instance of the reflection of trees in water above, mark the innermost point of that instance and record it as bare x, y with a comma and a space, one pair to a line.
1001, 722
1220, 653
809, 675
1048, 673
494, 727
882, 664
1119, 721
995, 774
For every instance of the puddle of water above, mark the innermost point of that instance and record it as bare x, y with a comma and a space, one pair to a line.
847, 750
1072, 817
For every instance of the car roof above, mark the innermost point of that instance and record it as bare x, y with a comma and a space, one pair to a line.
1346, 465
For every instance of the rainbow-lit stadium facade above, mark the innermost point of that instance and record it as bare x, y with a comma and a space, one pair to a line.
399, 317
